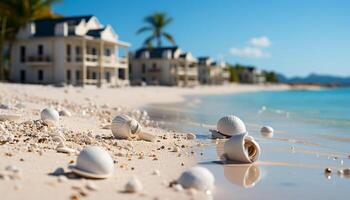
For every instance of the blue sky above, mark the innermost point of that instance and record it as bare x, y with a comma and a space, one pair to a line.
293, 37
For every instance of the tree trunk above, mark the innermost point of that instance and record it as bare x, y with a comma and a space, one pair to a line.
159, 42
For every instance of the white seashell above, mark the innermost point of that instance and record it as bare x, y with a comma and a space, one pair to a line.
198, 178
228, 126
65, 112
178, 187
242, 148
50, 115
94, 162
267, 131
61, 148
134, 185
9, 117
5, 106
124, 127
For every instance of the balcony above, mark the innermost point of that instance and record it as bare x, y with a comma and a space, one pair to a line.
154, 71
189, 72
39, 60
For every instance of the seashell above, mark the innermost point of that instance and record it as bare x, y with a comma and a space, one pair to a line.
134, 185
242, 148
61, 148
124, 127
267, 131
9, 117
65, 112
198, 178
5, 106
50, 116
228, 126
94, 162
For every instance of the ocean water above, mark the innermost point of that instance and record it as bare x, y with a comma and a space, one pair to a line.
312, 132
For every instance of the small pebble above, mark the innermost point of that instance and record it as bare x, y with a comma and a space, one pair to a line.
134, 185
91, 186
328, 171
156, 172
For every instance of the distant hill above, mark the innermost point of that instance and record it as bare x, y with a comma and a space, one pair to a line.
316, 79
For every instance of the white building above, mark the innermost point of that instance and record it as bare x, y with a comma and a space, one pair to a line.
212, 73
252, 75
71, 50
163, 66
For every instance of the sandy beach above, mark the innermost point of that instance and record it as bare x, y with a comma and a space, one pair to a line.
32, 150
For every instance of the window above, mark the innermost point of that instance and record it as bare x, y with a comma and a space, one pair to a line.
107, 52
143, 68
78, 54
68, 76
121, 74
94, 52
77, 75
40, 50
94, 75
108, 77
68, 52
130, 68
23, 54
40, 75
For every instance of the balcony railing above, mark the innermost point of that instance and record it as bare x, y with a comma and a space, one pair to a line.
39, 59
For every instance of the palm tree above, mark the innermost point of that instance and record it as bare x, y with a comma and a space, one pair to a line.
156, 24
16, 14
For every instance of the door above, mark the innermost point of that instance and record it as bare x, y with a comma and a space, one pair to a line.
23, 76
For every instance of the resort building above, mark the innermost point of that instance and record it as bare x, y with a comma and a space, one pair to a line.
212, 73
163, 66
69, 50
251, 75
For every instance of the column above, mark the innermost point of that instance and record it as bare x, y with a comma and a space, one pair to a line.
84, 72
100, 63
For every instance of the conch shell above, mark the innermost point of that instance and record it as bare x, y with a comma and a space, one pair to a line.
125, 127
242, 148
197, 177
50, 116
228, 126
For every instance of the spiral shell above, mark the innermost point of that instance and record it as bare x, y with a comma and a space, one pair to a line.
231, 125
124, 127
94, 162
242, 148
198, 178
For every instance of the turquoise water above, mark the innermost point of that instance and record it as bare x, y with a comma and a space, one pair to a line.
312, 132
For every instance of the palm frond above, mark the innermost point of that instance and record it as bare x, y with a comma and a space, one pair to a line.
144, 29
169, 38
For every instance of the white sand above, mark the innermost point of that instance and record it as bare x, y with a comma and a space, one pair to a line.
100, 106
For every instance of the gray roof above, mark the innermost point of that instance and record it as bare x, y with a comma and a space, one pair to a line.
95, 32
46, 27
156, 52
